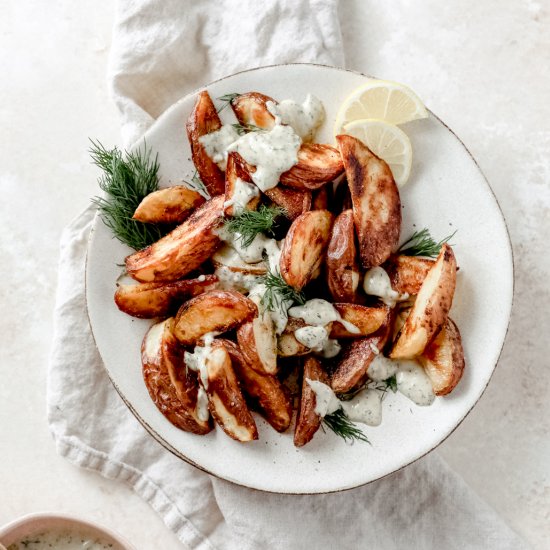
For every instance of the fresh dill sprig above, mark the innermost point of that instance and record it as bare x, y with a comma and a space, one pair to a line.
196, 184
251, 222
242, 129
421, 243
391, 383
227, 99
126, 180
278, 291
342, 426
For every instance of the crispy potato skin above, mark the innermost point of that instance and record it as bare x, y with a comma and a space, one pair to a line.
308, 420
407, 273
375, 198
287, 345
236, 168
264, 389
226, 256
443, 359
226, 402
214, 311
366, 319
304, 247
150, 300
182, 250
172, 388
293, 201
320, 199
351, 370
317, 165
258, 345
204, 120
250, 108
430, 309
170, 205
342, 266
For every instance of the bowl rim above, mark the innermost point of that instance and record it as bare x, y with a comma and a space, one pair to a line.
13, 530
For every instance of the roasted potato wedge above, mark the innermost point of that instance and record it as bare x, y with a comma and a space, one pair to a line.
149, 300
214, 311
430, 309
317, 165
321, 198
342, 197
407, 273
351, 370
182, 250
376, 202
226, 256
443, 359
226, 402
293, 201
342, 266
236, 170
308, 420
264, 389
204, 120
169, 205
250, 109
287, 345
171, 386
304, 247
366, 319
258, 344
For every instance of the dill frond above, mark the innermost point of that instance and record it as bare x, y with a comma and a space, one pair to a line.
226, 99
196, 184
242, 129
126, 180
251, 222
421, 243
278, 291
342, 426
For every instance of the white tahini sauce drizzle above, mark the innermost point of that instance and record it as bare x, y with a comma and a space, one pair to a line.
319, 313
216, 143
64, 539
326, 401
196, 361
201, 408
271, 152
317, 339
278, 315
413, 382
242, 194
305, 118
234, 280
377, 283
381, 368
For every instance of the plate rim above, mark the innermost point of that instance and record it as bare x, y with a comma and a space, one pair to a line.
179, 454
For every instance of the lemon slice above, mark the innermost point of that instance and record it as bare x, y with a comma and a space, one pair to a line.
386, 141
381, 99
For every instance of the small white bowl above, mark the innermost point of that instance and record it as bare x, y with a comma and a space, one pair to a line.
33, 524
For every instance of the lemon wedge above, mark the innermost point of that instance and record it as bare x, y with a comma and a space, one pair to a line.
387, 142
383, 100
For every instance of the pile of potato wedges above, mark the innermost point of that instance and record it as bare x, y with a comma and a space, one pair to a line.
332, 235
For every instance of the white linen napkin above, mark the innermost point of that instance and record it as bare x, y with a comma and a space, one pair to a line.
162, 49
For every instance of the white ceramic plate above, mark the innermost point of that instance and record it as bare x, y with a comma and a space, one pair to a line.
446, 192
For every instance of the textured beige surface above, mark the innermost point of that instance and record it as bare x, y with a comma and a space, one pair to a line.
482, 67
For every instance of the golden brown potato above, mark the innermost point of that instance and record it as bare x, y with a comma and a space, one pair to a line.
264, 389
226, 256
366, 319
321, 198
376, 202
214, 311
287, 345
250, 109
293, 201
351, 371
204, 120
172, 387
308, 420
258, 344
226, 402
149, 300
182, 250
342, 266
304, 247
170, 205
431, 307
236, 170
407, 273
317, 165
443, 359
